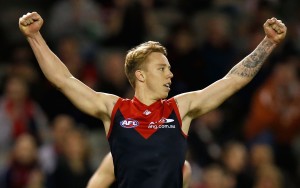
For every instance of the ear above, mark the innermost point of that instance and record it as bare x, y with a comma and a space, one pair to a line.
140, 76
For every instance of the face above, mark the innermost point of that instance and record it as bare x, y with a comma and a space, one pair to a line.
25, 151
75, 146
158, 75
62, 125
16, 89
236, 158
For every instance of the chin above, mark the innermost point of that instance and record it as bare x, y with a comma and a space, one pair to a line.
164, 95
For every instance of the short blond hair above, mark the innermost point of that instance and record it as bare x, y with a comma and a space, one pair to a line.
136, 56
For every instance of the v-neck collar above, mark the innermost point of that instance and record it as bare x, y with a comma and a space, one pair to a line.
141, 106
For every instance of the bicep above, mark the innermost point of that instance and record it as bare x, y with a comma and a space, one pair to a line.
196, 103
87, 100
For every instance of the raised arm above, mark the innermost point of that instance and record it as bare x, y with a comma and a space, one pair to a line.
194, 104
93, 103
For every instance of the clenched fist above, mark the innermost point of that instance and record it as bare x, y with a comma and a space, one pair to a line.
30, 24
275, 30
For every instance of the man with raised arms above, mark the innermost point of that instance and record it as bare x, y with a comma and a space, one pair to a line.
147, 134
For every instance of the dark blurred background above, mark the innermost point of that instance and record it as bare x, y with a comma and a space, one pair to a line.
252, 140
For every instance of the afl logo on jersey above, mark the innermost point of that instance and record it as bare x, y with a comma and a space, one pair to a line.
129, 123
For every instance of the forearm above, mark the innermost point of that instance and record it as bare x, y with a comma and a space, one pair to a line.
52, 67
240, 75
246, 69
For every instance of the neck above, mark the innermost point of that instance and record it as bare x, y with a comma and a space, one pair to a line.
143, 96
145, 100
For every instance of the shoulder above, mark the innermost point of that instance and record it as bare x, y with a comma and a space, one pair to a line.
170, 102
183, 100
120, 102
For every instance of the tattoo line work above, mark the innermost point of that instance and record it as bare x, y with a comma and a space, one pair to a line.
252, 63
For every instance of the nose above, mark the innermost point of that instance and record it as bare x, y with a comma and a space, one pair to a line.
170, 74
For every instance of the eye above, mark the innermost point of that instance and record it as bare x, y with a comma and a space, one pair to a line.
161, 69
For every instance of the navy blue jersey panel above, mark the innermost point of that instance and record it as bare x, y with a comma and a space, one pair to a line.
147, 162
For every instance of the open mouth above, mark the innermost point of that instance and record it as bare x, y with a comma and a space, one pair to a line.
167, 85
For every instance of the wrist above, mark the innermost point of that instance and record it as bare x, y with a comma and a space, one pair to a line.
33, 36
272, 42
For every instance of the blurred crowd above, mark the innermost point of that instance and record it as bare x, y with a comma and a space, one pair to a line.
250, 141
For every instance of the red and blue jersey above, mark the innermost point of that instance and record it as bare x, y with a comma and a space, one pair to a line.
147, 144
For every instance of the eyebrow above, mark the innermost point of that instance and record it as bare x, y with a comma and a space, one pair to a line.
164, 65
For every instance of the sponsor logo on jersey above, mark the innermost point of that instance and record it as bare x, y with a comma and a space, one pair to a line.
163, 123
129, 123
165, 120
147, 112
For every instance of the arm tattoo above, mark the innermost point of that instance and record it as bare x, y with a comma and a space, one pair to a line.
251, 64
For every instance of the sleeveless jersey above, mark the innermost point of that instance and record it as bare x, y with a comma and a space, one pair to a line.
147, 144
